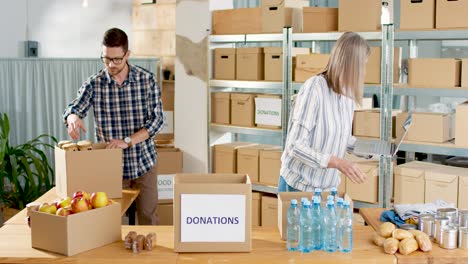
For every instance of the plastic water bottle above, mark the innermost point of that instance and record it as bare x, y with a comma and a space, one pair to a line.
317, 225
346, 228
318, 193
306, 229
329, 224
334, 193
303, 199
330, 198
339, 206
293, 226
339, 218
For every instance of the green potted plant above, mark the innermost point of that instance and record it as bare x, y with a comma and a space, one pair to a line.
25, 173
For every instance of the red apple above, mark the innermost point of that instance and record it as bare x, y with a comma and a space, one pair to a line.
48, 208
84, 194
63, 203
64, 211
99, 199
79, 205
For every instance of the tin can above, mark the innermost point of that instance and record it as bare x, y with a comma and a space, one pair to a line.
449, 237
463, 238
426, 224
451, 213
439, 222
463, 218
408, 227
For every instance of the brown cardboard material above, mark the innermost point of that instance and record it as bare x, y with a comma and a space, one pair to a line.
170, 160
342, 186
369, 190
367, 123
242, 110
225, 64
248, 160
439, 73
256, 209
273, 63
221, 108
97, 170
309, 65
451, 14
429, 127
284, 201
249, 64
441, 184
270, 165
359, 15
237, 21
271, 110
269, 211
461, 126
320, 19
277, 14
409, 183
373, 65
221, 184
165, 213
76, 233
167, 95
463, 192
417, 14
225, 156
464, 73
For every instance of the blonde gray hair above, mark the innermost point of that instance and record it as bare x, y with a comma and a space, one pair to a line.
346, 67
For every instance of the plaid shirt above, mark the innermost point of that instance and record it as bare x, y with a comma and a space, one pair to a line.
120, 111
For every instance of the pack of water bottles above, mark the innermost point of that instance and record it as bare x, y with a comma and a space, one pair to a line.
319, 224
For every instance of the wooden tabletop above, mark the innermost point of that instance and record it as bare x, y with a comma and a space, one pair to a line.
15, 247
128, 196
436, 255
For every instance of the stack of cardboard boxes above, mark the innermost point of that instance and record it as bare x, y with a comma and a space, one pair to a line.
430, 14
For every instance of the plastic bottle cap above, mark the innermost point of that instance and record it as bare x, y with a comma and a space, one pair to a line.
333, 189
330, 202
316, 200
346, 203
307, 203
293, 201
330, 197
318, 190
340, 200
303, 199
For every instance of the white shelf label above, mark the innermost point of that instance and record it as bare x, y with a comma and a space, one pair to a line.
268, 111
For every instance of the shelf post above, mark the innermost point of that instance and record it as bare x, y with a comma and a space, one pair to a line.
287, 81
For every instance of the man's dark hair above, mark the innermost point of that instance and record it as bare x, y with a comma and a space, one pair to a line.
114, 38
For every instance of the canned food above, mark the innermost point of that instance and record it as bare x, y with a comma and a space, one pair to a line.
463, 238
451, 213
408, 227
426, 224
463, 218
439, 222
449, 237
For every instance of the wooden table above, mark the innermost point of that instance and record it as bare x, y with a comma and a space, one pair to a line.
436, 255
128, 197
15, 247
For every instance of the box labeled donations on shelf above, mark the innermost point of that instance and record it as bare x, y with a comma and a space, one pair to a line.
212, 213
268, 111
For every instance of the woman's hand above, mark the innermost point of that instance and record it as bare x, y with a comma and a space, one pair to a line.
348, 168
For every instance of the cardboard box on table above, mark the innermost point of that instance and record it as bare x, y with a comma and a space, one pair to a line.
237, 21
269, 211
417, 14
320, 19
369, 190
221, 108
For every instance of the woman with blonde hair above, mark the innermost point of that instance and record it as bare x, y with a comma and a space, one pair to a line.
320, 123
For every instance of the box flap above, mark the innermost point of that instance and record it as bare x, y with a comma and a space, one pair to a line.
204, 179
440, 176
249, 50
273, 50
225, 51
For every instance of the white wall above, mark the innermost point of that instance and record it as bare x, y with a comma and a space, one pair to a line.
62, 28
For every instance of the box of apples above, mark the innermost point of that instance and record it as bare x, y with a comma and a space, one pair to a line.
73, 225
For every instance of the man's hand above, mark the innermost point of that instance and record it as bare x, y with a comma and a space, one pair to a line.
117, 143
348, 168
74, 125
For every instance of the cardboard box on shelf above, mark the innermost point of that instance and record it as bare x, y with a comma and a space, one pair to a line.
221, 108
256, 208
242, 109
196, 228
284, 201
248, 160
367, 123
273, 63
167, 132
429, 127
268, 111
320, 19
225, 156
269, 211
451, 14
369, 190
237, 21
441, 184
309, 65
447, 72
169, 162
463, 191
278, 14
270, 165
167, 98
97, 170
373, 65
249, 64
464, 73
165, 213
417, 14
461, 126
78, 232
224, 64
359, 15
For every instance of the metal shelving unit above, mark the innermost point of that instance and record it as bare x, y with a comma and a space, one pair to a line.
246, 130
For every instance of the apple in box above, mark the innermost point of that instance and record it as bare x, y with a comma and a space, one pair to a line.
48, 208
99, 199
80, 204
64, 211
84, 194
65, 202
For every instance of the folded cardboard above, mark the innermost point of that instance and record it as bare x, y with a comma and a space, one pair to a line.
429, 72
284, 201
212, 213
278, 14
309, 65
417, 14
165, 213
373, 65
169, 162
369, 190
451, 14
78, 232
268, 111
221, 108
248, 160
237, 21
97, 170
461, 125
270, 165
367, 123
464, 73
249, 64
225, 156
243, 109
441, 184
269, 211
225, 64
320, 19
273, 63
359, 15
429, 127
463, 192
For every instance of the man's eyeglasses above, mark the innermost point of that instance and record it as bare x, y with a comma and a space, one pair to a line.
116, 61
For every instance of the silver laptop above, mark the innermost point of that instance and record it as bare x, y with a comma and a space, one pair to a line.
380, 147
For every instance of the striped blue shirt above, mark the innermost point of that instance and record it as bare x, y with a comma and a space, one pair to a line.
319, 127
120, 111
